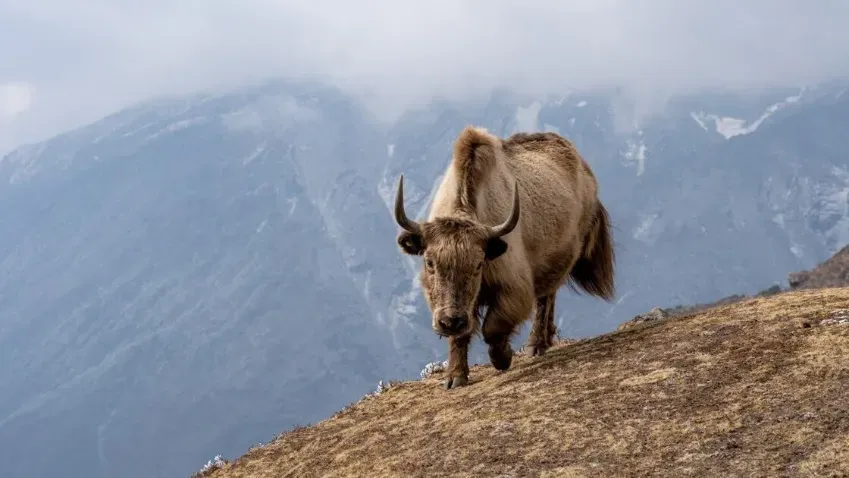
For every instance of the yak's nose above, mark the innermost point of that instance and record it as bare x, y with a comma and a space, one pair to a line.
453, 324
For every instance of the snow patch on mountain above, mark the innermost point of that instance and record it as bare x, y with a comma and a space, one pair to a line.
833, 202
699, 118
812, 210
177, 126
730, 127
111, 126
24, 162
255, 154
527, 117
649, 228
635, 154
367, 291
384, 190
403, 310
139, 129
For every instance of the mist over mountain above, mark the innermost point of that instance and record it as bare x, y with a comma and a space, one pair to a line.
190, 276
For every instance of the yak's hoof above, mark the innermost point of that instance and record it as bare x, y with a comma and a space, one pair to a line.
537, 350
456, 382
501, 358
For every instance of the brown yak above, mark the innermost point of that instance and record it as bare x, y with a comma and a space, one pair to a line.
512, 221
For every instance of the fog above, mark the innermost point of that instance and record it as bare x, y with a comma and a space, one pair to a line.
67, 63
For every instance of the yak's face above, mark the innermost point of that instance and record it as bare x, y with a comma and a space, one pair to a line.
454, 254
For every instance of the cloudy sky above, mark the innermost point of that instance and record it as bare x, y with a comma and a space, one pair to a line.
65, 63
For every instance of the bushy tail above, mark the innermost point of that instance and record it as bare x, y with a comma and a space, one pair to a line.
594, 270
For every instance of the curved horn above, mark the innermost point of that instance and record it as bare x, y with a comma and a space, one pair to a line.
511, 222
400, 215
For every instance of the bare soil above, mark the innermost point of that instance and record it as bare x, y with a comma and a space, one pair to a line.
756, 388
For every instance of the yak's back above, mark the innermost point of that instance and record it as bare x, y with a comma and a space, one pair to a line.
550, 147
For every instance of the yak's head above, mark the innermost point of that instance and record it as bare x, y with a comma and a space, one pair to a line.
454, 253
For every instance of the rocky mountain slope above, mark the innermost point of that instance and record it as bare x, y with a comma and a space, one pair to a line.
190, 275
178, 262
833, 272
753, 388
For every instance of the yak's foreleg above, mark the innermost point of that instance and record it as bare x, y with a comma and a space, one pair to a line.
458, 361
500, 324
542, 333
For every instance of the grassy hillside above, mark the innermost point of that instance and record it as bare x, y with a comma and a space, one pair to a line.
754, 388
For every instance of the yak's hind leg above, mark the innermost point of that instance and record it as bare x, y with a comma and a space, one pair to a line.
543, 330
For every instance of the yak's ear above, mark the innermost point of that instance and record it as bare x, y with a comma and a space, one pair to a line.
410, 243
495, 247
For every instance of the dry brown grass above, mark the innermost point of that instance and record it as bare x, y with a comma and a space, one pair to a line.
756, 388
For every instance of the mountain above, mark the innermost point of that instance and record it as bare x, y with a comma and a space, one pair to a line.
756, 393
182, 277
191, 275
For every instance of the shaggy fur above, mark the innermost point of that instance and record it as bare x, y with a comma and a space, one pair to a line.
562, 237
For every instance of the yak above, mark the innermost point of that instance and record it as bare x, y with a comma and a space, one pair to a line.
512, 221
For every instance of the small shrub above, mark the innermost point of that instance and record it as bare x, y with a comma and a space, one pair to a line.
432, 368
381, 388
211, 465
